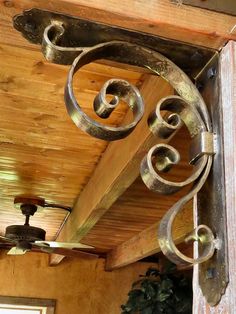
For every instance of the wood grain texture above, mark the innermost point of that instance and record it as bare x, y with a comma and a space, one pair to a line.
116, 171
138, 208
42, 152
162, 18
227, 304
146, 242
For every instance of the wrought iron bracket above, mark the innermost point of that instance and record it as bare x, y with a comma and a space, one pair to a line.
226, 6
211, 206
70, 40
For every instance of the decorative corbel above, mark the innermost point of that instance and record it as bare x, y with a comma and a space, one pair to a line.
69, 40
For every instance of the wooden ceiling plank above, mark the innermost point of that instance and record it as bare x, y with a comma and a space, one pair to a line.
116, 171
35, 158
146, 242
179, 22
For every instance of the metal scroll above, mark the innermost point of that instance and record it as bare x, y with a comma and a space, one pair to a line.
187, 107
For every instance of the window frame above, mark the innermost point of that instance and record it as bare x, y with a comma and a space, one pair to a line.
49, 304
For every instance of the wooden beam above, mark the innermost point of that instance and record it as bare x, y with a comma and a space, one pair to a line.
146, 242
116, 171
160, 17
227, 90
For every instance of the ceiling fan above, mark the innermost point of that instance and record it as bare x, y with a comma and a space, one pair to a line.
25, 238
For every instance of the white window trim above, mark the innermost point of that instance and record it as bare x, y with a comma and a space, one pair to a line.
47, 306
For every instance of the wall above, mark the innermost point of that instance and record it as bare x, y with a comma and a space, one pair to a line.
79, 286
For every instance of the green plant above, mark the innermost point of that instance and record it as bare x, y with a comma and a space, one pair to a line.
156, 292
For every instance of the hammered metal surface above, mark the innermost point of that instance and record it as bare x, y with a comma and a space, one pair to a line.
67, 38
213, 274
84, 33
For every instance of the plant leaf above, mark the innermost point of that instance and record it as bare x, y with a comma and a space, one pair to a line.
160, 293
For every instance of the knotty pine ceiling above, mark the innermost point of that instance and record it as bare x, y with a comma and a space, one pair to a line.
43, 153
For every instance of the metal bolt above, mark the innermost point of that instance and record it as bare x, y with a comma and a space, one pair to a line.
30, 27
211, 73
210, 273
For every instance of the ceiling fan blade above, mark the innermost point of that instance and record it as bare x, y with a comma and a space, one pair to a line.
65, 245
16, 251
74, 253
7, 239
64, 251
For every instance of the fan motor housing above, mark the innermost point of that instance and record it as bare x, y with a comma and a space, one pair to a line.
25, 233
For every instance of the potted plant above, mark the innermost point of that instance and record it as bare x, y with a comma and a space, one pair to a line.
160, 292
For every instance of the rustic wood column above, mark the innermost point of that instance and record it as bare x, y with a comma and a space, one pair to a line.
227, 87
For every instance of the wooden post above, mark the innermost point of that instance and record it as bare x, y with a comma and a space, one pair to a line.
227, 304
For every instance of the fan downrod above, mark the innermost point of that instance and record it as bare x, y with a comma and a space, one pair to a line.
25, 233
